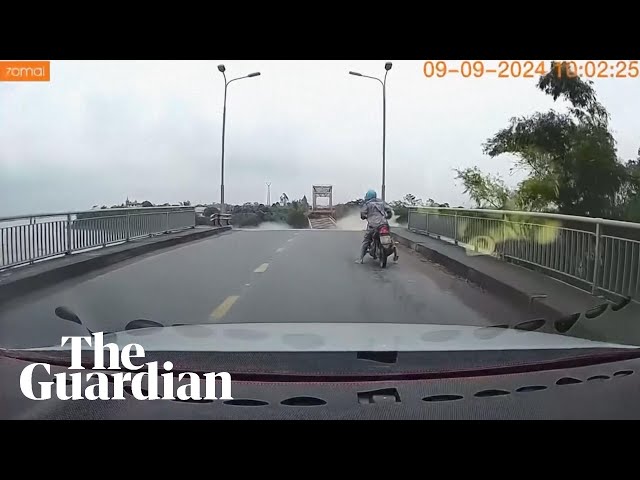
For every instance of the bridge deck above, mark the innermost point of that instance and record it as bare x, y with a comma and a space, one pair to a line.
262, 276
560, 297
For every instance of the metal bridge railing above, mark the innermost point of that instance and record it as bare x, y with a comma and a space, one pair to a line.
598, 255
28, 238
221, 219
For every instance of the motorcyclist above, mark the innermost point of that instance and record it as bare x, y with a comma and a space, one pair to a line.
377, 213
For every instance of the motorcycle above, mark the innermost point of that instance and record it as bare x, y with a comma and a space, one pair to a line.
383, 246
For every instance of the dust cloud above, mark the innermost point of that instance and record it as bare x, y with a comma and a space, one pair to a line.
352, 222
269, 226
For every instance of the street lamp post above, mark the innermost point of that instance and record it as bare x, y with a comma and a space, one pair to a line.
222, 69
387, 67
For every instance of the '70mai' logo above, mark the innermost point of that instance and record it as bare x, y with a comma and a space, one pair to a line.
36, 71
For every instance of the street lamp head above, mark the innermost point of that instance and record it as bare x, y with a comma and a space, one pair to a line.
254, 74
355, 73
221, 68
387, 66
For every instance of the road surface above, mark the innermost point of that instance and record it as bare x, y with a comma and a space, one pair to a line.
255, 276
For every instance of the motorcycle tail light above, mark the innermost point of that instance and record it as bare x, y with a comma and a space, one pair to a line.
384, 230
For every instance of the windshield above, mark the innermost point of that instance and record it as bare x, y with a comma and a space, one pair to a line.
320, 206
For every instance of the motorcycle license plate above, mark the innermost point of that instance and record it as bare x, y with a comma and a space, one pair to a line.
385, 240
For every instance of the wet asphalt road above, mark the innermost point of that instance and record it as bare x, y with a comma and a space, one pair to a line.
255, 276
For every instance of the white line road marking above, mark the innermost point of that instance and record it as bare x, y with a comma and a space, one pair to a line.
222, 309
280, 250
290, 240
262, 268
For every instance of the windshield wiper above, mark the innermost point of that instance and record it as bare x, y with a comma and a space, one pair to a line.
66, 313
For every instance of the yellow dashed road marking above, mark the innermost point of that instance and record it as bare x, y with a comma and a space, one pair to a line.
262, 268
222, 309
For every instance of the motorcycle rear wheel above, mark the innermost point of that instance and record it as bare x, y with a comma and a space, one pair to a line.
383, 259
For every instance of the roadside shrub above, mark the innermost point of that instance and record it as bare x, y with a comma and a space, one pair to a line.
202, 220
245, 220
208, 211
297, 219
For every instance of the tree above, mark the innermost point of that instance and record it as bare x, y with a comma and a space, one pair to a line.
570, 158
245, 219
147, 203
401, 207
628, 199
487, 191
400, 210
186, 203
210, 210
344, 209
410, 200
297, 219
284, 200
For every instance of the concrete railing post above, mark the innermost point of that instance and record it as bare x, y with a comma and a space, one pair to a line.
455, 228
596, 261
504, 235
69, 248
128, 227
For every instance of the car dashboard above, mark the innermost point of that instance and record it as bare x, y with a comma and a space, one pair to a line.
378, 385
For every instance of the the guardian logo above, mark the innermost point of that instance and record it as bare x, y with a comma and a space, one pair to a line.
99, 388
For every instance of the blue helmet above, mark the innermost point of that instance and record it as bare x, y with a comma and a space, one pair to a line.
370, 195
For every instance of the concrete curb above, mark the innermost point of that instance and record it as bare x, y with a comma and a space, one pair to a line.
41, 279
485, 281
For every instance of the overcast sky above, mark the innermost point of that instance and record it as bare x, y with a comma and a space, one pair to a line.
151, 130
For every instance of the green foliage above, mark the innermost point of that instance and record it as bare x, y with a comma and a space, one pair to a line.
410, 200
534, 194
400, 210
487, 191
276, 213
570, 158
253, 214
560, 81
297, 219
208, 211
245, 219
345, 209
202, 220
401, 207
628, 200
